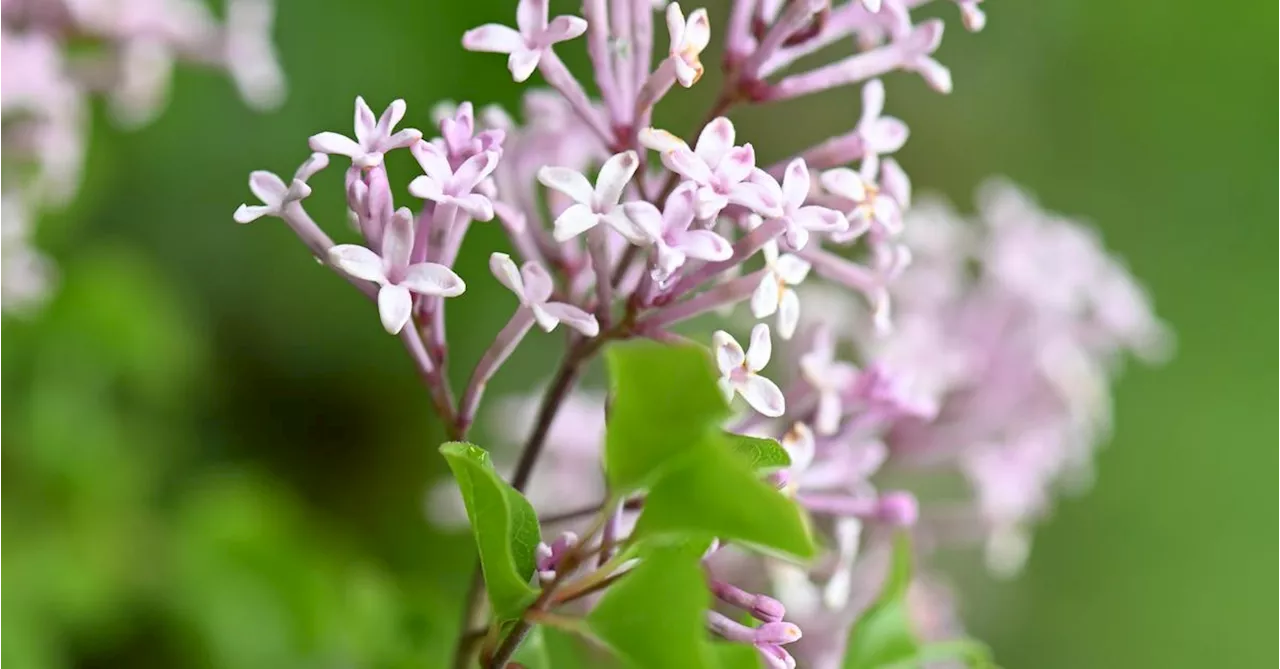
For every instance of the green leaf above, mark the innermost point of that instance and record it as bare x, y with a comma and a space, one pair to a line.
735, 655
714, 493
532, 652
664, 401
762, 454
654, 617
883, 636
504, 524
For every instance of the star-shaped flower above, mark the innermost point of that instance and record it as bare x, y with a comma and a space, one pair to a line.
831, 378
526, 46
739, 372
593, 205
274, 194
801, 219
444, 185
880, 134
724, 173
776, 293
391, 270
871, 207
688, 39
673, 241
374, 137
533, 286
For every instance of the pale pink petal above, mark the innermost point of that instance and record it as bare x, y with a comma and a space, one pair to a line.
763, 395
574, 221
358, 262
795, 183
705, 245
675, 23
267, 187
660, 140
887, 214
494, 38
504, 269
678, 212
764, 301
799, 444
574, 318
474, 170
366, 124
697, 32
715, 140
476, 205
545, 320
821, 219
757, 198
433, 161
726, 388
737, 163
645, 219
709, 203
788, 313
333, 143
562, 28
531, 15
394, 305
391, 117
668, 261
569, 182
406, 137
791, 269
895, 183
397, 239
687, 164
797, 237
313, 164
426, 188
826, 419
247, 213
760, 349
729, 355
844, 182
886, 135
872, 101
522, 63
538, 284
627, 227
613, 177
686, 74
428, 278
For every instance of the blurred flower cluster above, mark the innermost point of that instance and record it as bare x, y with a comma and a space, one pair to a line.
59, 55
891, 339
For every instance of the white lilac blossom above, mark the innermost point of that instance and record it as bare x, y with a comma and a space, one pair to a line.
983, 352
59, 56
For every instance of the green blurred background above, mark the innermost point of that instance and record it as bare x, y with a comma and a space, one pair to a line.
214, 457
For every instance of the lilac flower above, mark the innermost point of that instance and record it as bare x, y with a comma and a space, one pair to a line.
374, 137
548, 557
719, 169
776, 293
871, 206
830, 378
535, 37
879, 134
393, 273
533, 286
274, 194
768, 638
669, 229
688, 39
459, 139
739, 372
444, 185
593, 205
801, 220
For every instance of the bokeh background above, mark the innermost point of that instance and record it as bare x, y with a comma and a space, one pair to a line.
214, 457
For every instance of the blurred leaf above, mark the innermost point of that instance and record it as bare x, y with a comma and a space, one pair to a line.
654, 617
504, 524
735, 656
883, 635
762, 454
664, 401
533, 653
713, 493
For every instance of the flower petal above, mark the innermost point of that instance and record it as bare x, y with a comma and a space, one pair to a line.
796, 235
763, 395
573, 317
613, 177
795, 183
562, 28
476, 205
365, 123
895, 183
737, 163
567, 181
697, 32
764, 301
397, 239
627, 227
715, 140
474, 170
426, 188
821, 219
826, 419
792, 269
522, 63
645, 220
886, 135
433, 161
247, 213
505, 270
845, 183
729, 355
538, 284
394, 306
428, 278
574, 221
872, 101
760, 349
799, 444
687, 164
704, 245
759, 199
493, 38
391, 117
709, 203
333, 143
531, 15
788, 313
660, 140
358, 262
544, 319
267, 187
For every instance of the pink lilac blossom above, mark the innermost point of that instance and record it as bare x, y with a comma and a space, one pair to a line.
58, 56
924, 343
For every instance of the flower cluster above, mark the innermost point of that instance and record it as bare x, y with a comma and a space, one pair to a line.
988, 356
58, 55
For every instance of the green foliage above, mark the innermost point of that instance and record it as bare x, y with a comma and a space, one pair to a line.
884, 638
654, 617
504, 524
664, 400
762, 454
